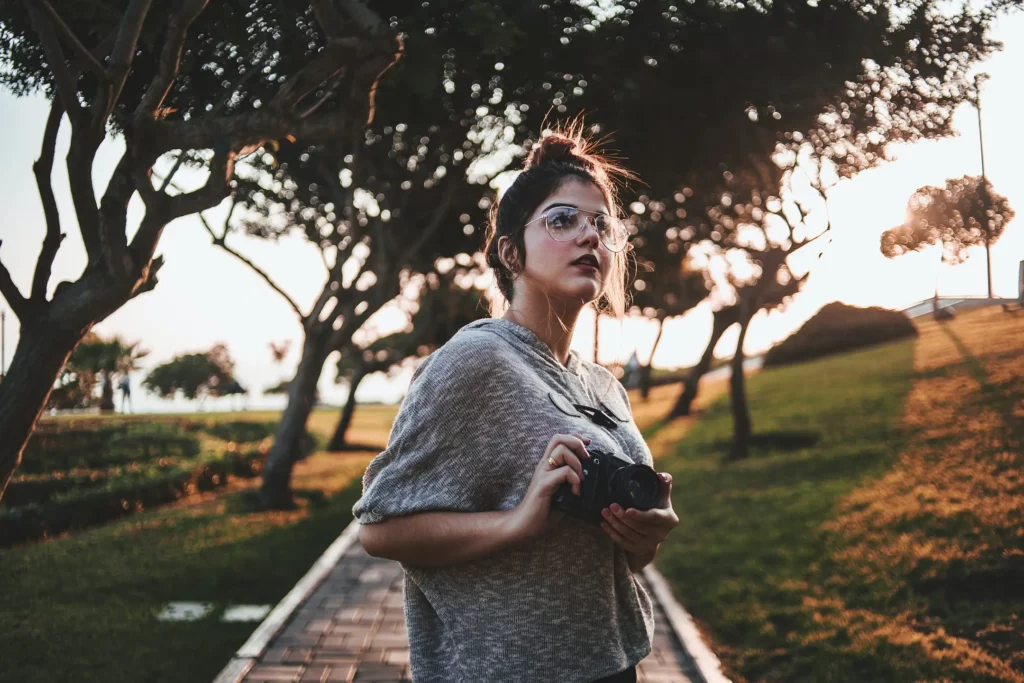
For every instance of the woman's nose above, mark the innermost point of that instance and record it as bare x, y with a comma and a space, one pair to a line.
589, 232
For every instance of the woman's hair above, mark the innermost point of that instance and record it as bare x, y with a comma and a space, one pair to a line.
560, 156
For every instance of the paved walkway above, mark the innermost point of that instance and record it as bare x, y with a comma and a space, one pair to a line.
350, 628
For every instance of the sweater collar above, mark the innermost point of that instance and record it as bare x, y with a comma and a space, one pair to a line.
519, 335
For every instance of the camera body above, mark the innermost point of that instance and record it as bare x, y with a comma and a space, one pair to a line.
609, 478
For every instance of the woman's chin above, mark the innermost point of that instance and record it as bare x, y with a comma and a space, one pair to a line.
582, 294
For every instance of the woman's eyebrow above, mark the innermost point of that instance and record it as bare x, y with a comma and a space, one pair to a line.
570, 205
554, 204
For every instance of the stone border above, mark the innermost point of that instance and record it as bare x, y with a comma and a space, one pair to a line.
705, 661
256, 645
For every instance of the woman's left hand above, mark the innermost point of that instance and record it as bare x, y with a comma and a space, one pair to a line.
640, 532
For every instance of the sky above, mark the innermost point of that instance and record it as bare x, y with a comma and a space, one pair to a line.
206, 296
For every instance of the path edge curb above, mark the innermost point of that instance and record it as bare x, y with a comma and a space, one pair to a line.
707, 664
253, 648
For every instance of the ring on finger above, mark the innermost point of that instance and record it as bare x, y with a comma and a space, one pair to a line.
552, 461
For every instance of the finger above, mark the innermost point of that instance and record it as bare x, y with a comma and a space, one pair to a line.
659, 518
558, 477
564, 456
574, 444
632, 523
585, 439
621, 527
666, 490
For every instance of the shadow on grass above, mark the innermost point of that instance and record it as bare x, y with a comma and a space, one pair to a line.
357, 448
774, 441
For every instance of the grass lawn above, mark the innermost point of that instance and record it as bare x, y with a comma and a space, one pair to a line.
82, 607
876, 532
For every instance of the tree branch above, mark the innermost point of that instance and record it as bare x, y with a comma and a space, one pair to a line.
373, 57
222, 243
65, 32
329, 18
64, 81
42, 169
170, 58
167, 209
113, 218
365, 18
19, 304
432, 226
121, 59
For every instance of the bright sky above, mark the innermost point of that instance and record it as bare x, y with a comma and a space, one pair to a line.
206, 296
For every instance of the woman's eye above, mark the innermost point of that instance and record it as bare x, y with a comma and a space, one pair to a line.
560, 219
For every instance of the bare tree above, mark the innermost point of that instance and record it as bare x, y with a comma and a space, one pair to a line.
130, 80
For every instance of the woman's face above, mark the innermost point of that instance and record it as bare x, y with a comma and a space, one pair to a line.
550, 266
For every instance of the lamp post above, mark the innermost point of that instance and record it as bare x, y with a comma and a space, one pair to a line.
978, 80
3, 344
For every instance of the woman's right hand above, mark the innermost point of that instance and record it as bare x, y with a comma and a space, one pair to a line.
568, 452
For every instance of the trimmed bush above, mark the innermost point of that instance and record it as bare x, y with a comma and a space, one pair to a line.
83, 509
837, 328
41, 489
75, 449
242, 432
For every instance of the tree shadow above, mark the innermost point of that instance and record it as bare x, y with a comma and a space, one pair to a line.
774, 441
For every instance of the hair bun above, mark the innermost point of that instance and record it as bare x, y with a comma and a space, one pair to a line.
556, 147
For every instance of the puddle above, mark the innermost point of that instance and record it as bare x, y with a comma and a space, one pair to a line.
245, 613
185, 611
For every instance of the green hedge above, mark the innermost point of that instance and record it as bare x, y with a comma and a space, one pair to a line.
837, 328
41, 489
241, 431
113, 498
112, 448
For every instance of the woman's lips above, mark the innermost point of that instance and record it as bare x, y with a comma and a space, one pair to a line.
586, 266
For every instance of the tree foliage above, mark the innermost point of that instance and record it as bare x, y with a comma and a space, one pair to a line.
93, 363
195, 375
962, 214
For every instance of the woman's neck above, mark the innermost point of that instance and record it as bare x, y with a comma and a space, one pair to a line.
553, 326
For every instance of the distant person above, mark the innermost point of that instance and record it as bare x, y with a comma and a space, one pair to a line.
126, 394
499, 584
631, 377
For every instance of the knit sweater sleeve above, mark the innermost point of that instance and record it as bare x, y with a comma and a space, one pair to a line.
434, 460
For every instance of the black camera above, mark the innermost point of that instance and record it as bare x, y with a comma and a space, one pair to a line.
609, 479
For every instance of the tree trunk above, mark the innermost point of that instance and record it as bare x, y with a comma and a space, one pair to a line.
645, 370
107, 395
338, 440
287, 449
38, 359
722, 321
988, 262
741, 425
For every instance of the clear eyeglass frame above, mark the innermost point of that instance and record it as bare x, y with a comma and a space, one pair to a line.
584, 217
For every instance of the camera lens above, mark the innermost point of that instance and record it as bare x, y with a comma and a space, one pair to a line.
636, 486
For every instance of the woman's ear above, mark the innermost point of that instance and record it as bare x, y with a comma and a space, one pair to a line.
507, 254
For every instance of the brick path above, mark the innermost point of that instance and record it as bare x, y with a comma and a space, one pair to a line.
351, 628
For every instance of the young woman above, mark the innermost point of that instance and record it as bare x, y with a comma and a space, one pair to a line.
499, 586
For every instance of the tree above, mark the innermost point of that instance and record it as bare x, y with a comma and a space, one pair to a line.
714, 110
94, 360
664, 289
965, 213
214, 93
195, 375
106, 358
390, 202
443, 308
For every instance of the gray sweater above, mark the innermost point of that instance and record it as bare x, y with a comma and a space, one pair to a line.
563, 608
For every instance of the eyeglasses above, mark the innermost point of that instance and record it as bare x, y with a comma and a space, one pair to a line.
565, 223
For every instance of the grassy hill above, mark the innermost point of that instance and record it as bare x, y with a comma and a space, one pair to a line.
877, 531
